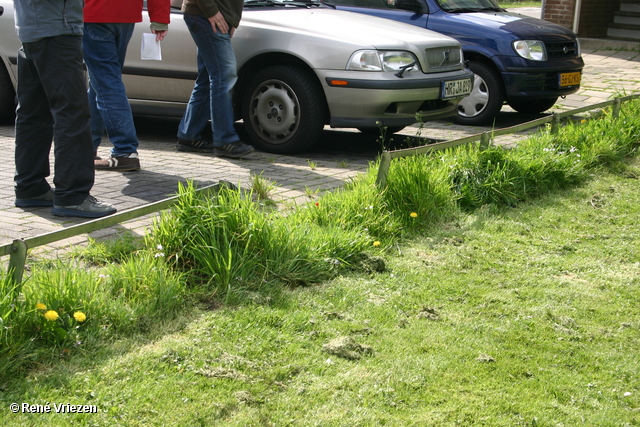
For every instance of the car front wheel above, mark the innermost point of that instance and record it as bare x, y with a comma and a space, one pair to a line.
486, 98
283, 109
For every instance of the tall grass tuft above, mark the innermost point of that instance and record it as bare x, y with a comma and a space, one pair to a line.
231, 247
61, 307
474, 176
419, 185
360, 207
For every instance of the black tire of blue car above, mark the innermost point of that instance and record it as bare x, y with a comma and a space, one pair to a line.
7, 97
486, 99
284, 109
533, 106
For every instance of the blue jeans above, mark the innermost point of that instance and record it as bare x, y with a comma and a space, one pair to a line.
105, 47
211, 97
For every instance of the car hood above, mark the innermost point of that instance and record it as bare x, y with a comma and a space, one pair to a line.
520, 26
352, 28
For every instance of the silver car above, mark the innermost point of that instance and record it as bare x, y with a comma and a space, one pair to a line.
301, 65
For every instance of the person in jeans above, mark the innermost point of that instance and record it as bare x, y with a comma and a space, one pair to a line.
108, 28
53, 107
212, 24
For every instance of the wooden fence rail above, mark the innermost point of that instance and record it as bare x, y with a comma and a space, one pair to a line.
17, 250
485, 137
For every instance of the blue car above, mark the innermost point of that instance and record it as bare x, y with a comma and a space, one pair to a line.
524, 62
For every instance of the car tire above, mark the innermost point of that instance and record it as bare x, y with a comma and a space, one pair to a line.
283, 109
534, 106
7, 97
486, 99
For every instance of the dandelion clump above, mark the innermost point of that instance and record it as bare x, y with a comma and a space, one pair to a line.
80, 316
51, 315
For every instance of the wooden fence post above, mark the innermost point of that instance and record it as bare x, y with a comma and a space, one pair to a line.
485, 140
17, 260
617, 103
383, 169
555, 124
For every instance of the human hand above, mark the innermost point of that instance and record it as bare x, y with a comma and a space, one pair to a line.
160, 34
219, 23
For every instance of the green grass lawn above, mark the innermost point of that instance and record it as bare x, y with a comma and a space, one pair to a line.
481, 286
504, 317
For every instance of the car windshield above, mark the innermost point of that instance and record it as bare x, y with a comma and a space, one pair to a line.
283, 3
464, 6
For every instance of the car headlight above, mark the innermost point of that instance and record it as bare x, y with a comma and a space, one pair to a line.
531, 49
380, 60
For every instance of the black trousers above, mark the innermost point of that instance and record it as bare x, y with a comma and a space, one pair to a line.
53, 107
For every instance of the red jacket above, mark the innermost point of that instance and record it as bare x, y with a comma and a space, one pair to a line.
125, 11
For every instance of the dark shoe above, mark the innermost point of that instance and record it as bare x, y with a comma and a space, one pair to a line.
90, 208
201, 146
235, 150
43, 201
118, 164
96, 157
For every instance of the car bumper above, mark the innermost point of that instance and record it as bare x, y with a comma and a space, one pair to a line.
537, 85
538, 80
362, 99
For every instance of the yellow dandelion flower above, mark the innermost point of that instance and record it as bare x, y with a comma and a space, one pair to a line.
413, 215
376, 243
51, 315
79, 316
41, 306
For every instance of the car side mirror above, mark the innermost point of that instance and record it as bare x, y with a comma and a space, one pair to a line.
416, 6
1, 10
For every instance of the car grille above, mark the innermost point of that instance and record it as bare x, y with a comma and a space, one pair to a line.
444, 58
562, 49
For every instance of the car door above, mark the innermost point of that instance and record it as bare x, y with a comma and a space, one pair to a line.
168, 81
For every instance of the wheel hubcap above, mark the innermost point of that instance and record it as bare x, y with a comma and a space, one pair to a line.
477, 101
275, 111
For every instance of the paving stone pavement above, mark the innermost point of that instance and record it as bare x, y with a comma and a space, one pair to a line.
339, 157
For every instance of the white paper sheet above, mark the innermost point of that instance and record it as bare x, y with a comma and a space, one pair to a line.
150, 48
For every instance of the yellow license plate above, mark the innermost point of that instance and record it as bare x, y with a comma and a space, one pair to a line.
570, 79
